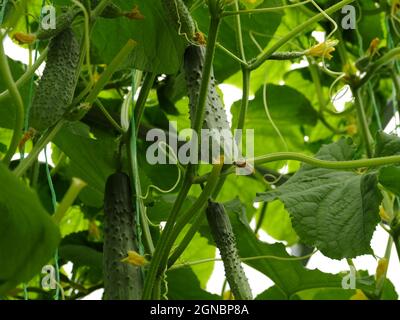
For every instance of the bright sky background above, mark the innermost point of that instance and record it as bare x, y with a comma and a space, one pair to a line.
258, 281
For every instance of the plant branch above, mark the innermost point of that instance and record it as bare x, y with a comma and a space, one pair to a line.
296, 31
144, 93
19, 104
363, 122
27, 75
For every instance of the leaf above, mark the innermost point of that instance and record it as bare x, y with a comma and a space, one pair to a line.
91, 160
28, 236
184, 285
159, 47
386, 145
335, 211
289, 110
389, 177
277, 223
290, 277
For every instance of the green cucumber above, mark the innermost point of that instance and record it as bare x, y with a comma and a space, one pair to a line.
122, 281
63, 21
215, 115
57, 85
180, 17
221, 230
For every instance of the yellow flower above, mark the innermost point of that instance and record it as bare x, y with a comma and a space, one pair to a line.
323, 49
381, 269
359, 295
135, 259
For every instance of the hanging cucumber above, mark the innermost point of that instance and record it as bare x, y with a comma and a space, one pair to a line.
57, 85
215, 115
122, 281
179, 15
224, 238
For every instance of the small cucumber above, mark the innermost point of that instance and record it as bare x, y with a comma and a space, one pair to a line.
122, 281
221, 230
57, 85
180, 17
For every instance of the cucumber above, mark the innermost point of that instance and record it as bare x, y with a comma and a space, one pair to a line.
57, 85
179, 16
215, 119
63, 21
122, 281
221, 230
215, 116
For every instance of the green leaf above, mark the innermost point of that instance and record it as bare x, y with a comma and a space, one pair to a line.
290, 277
277, 223
335, 211
159, 47
184, 285
386, 145
28, 236
389, 177
91, 160
289, 110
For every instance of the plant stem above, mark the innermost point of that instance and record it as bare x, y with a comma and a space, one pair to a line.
19, 104
99, 8
363, 122
27, 75
198, 220
384, 60
239, 36
168, 237
75, 188
263, 10
245, 98
42, 142
296, 31
206, 76
144, 93
161, 243
112, 67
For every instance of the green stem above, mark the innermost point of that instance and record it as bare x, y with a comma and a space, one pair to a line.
27, 75
75, 188
384, 60
112, 67
206, 77
363, 122
144, 93
232, 55
168, 236
245, 98
42, 142
99, 8
291, 55
239, 35
262, 10
327, 164
19, 104
108, 116
296, 31
198, 220
161, 243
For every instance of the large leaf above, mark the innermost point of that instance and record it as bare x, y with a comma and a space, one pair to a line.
159, 47
91, 160
289, 110
28, 237
290, 277
336, 211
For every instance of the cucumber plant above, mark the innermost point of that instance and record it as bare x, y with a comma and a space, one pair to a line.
324, 175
